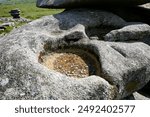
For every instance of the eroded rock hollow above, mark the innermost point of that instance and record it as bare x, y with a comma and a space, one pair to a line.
77, 54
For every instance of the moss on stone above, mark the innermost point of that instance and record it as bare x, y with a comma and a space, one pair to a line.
131, 86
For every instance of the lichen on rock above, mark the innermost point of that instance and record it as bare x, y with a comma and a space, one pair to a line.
23, 75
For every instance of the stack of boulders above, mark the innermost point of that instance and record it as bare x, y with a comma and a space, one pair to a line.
11, 21
121, 47
15, 13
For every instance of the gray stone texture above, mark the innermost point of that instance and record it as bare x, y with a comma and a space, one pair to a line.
87, 3
130, 32
124, 65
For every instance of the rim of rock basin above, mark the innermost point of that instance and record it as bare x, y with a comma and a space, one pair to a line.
71, 61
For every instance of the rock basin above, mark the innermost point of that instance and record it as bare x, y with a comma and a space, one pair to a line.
72, 62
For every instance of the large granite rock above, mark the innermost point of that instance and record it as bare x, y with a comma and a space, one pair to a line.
139, 13
124, 66
87, 3
131, 32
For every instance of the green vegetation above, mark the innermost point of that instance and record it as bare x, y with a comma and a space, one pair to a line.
7, 30
16, 1
28, 10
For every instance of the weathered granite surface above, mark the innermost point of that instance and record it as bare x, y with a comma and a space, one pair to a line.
87, 3
124, 65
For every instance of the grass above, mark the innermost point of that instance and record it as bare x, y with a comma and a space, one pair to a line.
28, 10
1, 22
10, 28
7, 30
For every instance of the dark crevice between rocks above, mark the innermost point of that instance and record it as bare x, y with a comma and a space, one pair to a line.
74, 37
145, 90
101, 28
130, 97
99, 32
146, 41
132, 14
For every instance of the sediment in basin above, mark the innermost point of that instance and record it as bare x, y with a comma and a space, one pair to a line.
72, 62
